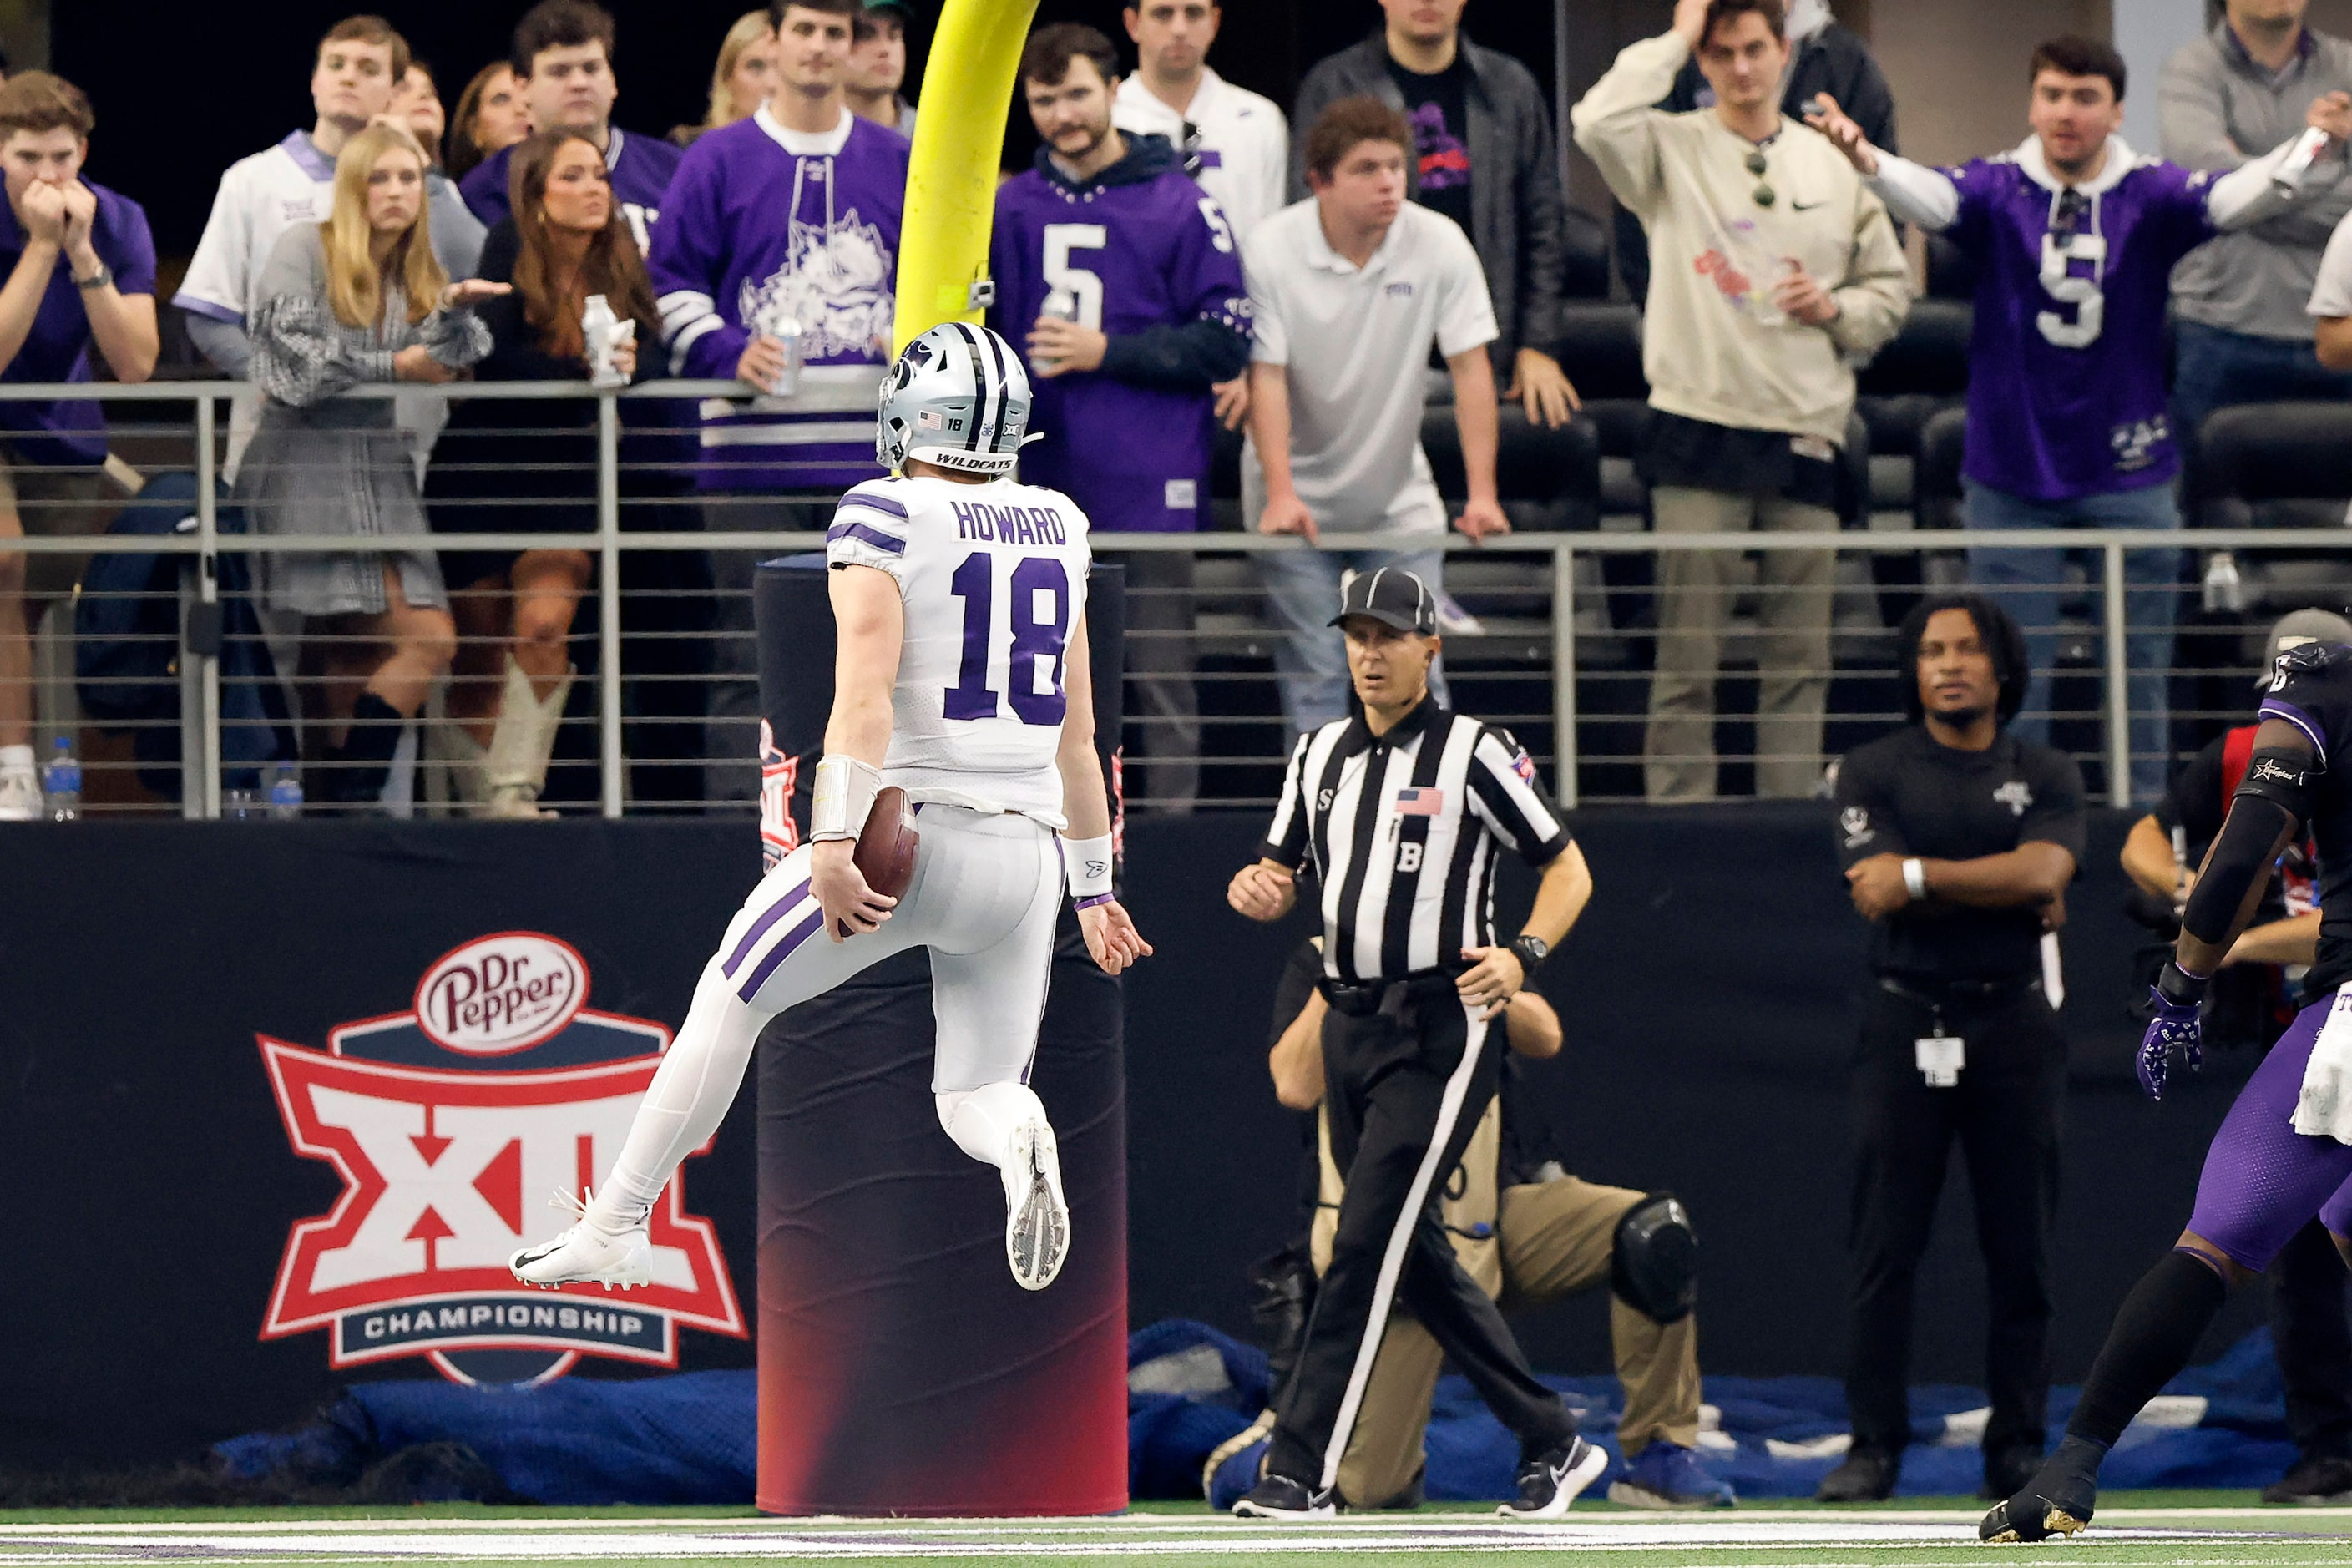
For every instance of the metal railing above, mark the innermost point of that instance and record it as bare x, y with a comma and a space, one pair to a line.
1574, 604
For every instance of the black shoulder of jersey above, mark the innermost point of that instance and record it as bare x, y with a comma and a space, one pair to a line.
2306, 658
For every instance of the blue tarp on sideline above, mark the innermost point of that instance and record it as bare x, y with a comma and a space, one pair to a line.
692, 1439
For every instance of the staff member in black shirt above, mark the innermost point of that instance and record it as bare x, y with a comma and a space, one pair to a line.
1401, 810
1959, 841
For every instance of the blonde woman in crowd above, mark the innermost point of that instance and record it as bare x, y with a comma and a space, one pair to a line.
357, 298
743, 78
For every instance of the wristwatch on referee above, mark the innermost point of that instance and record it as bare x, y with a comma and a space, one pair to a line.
1531, 951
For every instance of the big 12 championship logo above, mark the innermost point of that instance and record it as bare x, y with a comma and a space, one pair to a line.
451, 1124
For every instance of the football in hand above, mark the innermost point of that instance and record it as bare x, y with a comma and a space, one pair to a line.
885, 854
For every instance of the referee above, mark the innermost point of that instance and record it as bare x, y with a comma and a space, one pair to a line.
1401, 810
1958, 840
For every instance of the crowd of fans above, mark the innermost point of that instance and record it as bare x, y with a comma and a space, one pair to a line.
1180, 257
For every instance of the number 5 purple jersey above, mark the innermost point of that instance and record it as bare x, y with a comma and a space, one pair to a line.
2066, 368
993, 579
1140, 252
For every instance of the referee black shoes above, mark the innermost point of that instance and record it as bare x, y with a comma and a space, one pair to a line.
1550, 1481
1279, 1497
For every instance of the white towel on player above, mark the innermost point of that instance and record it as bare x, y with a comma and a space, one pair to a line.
2323, 1109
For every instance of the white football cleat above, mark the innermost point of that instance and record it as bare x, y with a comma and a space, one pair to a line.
1037, 1217
20, 796
586, 1254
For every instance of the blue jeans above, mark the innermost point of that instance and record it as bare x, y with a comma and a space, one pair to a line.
2029, 583
1302, 591
2219, 369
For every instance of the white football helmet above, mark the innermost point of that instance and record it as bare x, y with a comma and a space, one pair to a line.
959, 396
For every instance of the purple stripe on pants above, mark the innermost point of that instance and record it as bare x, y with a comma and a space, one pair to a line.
760, 928
778, 953
2262, 1180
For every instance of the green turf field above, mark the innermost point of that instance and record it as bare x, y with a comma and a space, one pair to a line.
2191, 1530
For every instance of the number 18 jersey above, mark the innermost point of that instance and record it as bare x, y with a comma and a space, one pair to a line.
993, 579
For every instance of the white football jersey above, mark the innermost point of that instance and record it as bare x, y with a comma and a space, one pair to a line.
993, 577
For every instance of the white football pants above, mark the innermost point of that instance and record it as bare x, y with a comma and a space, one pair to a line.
986, 893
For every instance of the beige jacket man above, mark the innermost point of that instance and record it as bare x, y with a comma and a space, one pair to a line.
1775, 272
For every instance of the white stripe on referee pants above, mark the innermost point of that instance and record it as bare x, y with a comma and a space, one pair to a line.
1449, 1110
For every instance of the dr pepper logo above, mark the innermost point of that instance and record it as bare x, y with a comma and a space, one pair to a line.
451, 1124
502, 994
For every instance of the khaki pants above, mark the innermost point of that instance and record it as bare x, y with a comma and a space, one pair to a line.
1539, 1244
1792, 645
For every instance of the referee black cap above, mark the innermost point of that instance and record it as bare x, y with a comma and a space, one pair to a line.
1393, 597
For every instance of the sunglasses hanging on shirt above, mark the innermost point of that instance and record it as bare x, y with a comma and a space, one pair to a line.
1190, 145
2066, 218
1762, 195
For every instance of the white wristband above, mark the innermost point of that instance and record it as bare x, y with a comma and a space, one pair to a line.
1087, 861
842, 799
1915, 880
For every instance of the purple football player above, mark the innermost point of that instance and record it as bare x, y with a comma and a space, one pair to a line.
1122, 279
2284, 1154
2075, 237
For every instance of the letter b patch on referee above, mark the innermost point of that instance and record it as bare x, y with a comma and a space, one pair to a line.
1409, 857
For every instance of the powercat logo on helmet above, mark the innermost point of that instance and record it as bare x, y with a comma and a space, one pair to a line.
450, 1125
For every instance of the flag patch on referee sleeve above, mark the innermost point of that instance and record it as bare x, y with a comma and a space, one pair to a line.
1524, 766
1420, 802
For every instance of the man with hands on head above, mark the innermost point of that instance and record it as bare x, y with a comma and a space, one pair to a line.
1776, 272
1401, 811
82, 276
1958, 840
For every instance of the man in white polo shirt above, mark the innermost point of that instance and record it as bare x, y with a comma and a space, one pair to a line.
1349, 289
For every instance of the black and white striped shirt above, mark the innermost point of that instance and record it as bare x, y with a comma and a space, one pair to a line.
1402, 831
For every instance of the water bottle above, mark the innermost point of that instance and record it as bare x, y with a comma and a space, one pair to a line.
2224, 593
61, 784
285, 794
1061, 305
601, 330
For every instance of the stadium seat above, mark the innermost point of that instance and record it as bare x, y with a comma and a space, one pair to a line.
1601, 349
1225, 483
1549, 479
1951, 272
1924, 370
2283, 465
1584, 261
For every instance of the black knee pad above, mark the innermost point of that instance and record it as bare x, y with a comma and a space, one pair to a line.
1653, 1259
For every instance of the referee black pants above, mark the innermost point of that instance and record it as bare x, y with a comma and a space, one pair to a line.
2005, 1112
1405, 1087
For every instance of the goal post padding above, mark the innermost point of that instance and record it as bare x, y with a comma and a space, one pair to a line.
901, 1371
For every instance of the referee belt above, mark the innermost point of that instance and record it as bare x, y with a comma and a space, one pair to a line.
1947, 992
1362, 999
